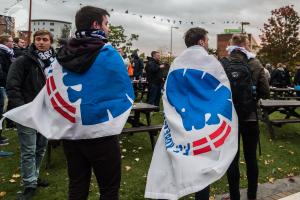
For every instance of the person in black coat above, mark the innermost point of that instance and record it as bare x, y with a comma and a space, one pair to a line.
280, 77
138, 65
19, 47
297, 78
154, 75
26, 77
6, 58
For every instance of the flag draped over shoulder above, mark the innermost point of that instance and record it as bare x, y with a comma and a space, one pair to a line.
199, 137
93, 104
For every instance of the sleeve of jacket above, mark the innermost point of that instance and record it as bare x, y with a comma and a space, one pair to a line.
2, 65
15, 80
262, 84
297, 78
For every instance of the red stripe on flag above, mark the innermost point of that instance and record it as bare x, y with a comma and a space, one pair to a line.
199, 142
62, 112
222, 139
70, 108
202, 150
218, 131
53, 86
48, 87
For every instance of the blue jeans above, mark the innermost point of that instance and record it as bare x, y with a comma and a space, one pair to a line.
2, 99
33, 147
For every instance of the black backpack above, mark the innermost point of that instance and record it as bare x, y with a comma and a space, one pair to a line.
242, 86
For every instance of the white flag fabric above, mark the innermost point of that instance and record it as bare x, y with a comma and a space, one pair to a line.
199, 138
75, 106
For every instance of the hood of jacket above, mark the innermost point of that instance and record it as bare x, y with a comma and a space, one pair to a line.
79, 54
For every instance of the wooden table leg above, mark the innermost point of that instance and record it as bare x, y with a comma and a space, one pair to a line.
48, 159
268, 122
152, 139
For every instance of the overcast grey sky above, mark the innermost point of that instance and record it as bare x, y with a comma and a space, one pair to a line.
155, 34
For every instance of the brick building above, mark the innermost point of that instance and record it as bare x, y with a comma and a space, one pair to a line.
7, 25
223, 42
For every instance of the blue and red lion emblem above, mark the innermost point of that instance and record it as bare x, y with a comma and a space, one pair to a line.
194, 94
105, 90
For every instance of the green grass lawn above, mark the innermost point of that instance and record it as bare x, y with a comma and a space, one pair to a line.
280, 158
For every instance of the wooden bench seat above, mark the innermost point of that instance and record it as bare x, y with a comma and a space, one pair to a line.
152, 130
142, 129
284, 121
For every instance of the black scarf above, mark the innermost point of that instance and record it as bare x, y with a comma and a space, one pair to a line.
47, 57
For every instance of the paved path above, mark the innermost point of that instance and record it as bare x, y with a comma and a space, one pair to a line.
280, 189
292, 197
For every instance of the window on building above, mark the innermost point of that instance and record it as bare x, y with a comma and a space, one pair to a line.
34, 29
38, 23
51, 23
33, 23
43, 23
52, 29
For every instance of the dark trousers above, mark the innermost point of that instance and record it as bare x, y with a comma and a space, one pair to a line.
103, 156
154, 93
250, 136
203, 194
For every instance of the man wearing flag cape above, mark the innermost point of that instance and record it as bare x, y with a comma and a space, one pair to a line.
198, 140
86, 102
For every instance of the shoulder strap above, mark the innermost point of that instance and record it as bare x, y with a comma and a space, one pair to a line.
225, 61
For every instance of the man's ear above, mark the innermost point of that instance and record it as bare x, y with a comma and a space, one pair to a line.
95, 25
200, 42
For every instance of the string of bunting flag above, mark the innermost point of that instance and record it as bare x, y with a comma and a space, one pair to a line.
176, 21
157, 18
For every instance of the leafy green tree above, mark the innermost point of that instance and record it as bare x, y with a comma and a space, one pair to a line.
65, 32
280, 37
118, 39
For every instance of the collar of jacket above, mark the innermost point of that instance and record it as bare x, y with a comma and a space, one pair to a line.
31, 54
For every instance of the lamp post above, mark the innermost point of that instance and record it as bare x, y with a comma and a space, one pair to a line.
29, 25
175, 27
244, 23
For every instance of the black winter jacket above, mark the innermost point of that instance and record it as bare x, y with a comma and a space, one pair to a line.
138, 65
153, 71
297, 77
5, 62
25, 79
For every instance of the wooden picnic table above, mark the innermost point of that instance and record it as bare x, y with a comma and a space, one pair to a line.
282, 93
286, 107
140, 86
138, 126
139, 108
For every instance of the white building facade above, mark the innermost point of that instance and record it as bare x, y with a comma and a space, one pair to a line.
54, 26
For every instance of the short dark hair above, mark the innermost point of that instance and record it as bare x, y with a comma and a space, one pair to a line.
153, 53
43, 32
86, 15
193, 35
